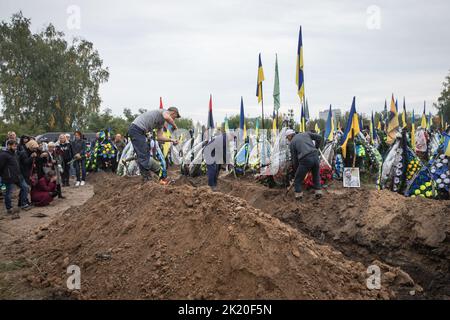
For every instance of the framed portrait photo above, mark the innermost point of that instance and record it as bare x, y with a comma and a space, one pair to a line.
351, 178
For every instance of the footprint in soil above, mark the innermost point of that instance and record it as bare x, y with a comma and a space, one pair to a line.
39, 215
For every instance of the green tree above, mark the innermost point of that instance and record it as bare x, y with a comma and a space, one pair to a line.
129, 115
184, 123
44, 78
443, 103
107, 121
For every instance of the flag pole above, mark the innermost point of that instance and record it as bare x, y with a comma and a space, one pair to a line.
262, 107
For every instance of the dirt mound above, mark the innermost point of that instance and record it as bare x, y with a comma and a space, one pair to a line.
366, 224
149, 241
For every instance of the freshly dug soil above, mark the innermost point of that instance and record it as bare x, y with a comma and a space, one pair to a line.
364, 224
146, 241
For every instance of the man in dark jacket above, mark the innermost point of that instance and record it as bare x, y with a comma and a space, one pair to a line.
305, 158
11, 136
9, 171
79, 154
215, 155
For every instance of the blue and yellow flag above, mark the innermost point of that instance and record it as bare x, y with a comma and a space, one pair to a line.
373, 131
316, 128
259, 81
393, 124
423, 122
257, 128
352, 129
242, 125
329, 127
404, 123
274, 124
302, 120
413, 131
300, 77
446, 145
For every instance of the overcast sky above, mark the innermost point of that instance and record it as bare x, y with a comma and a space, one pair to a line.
186, 50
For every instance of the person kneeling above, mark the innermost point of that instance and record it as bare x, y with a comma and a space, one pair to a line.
45, 190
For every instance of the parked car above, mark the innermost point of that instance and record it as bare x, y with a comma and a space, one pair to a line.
54, 136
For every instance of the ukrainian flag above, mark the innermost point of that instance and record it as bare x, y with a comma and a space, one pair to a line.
352, 129
393, 123
259, 89
446, 145
242, 125
274, 124
413, 131
316, 128
404, 123
373, 131
329, 128
300, 78
423, 122
302, 121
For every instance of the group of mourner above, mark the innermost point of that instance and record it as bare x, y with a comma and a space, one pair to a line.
39, 170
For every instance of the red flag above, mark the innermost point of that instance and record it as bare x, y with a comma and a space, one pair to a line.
160, 103
210, 115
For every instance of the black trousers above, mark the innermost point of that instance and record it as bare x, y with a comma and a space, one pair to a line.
65, 177
305, 165
212, 171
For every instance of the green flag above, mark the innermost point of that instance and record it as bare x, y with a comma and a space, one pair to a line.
276, 88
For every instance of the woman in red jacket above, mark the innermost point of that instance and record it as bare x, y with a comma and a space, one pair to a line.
45, 190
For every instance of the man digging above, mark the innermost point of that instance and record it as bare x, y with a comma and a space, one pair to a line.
305, 158
144, 124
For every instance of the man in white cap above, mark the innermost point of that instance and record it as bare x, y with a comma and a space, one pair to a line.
305, 158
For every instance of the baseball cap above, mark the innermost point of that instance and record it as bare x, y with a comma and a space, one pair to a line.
289, 132
175, 109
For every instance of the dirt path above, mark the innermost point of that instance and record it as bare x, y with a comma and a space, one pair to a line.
12, 284
11, 230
